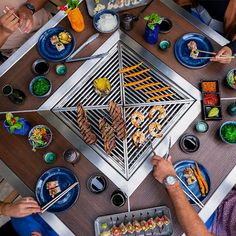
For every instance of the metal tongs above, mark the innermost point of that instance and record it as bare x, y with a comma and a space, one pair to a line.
168, 149
88, 41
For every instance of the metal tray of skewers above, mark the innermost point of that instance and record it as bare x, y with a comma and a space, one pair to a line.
146, 222
95, 6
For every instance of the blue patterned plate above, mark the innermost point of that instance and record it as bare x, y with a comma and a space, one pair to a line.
49, 51
65, 178
181, 166
182, 51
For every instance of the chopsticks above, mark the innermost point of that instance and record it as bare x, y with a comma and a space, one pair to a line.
231, 57
194, 198
12, 13
54, 200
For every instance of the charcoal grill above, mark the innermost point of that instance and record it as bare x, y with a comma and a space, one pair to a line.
128, 165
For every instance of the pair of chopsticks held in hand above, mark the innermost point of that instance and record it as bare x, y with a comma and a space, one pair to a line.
16, 19
213, 57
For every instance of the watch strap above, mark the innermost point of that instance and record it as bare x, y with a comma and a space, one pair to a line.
30, 6
170, 183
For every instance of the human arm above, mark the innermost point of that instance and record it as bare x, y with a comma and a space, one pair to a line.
26, 15
23, 207
8, 25
186, 215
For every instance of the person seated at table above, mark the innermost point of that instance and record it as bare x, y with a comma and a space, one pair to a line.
219, 15
24, 219
164, 172
19, 19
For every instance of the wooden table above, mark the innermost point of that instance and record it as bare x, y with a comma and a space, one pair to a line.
15, 151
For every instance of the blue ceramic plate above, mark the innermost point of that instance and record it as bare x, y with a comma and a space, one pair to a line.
181, 166
49, 51
65, 178
182, 52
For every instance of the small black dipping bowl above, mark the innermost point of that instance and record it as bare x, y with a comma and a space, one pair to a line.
96, 183
189, 143
165, 26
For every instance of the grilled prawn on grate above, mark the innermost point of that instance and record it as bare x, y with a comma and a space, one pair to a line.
108, 136
118, 122
84, 126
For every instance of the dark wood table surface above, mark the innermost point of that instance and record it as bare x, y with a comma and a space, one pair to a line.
16, 152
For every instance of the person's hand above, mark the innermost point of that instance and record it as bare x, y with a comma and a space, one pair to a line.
23, 207
224, 52
9, 23
162, 168
26, 19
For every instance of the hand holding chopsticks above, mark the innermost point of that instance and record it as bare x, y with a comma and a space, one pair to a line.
57, 198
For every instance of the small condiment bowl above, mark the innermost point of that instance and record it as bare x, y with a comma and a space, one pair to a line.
201, 126
40, 67
221, 131
36, 79
99, 14
164, 44
165, 26
231, 74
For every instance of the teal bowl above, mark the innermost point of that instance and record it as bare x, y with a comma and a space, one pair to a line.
231, 78
232, 130
37, 80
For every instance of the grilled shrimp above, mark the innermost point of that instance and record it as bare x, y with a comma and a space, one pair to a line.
162, 112
138, 137
154, 129
136, 118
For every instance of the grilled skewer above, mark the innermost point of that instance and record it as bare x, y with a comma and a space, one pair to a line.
118, 122
108, 136
84, 126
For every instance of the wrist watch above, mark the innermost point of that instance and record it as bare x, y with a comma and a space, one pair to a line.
170, 180
30, 6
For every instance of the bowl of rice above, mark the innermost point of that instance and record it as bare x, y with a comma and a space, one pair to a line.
106, 21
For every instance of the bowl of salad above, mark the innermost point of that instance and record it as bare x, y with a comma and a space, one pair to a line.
231, 78
228, 132
40, 86
40, 136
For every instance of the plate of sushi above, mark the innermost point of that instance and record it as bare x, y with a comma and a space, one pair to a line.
191, 50
195, 176
152, 221
53, 182
56, 44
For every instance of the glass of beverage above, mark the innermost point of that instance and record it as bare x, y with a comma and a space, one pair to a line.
15, 95
71, 155
40, 67
118, 198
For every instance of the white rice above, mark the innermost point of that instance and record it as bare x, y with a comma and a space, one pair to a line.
107, 22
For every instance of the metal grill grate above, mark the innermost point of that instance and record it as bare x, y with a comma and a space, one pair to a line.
128, 165
126, 157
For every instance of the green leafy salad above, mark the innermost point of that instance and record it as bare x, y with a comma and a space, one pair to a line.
41, 86
228, 132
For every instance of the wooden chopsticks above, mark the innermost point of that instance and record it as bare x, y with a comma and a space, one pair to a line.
231, 57
54, 200
194, 198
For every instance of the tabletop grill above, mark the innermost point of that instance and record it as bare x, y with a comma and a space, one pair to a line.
126, 158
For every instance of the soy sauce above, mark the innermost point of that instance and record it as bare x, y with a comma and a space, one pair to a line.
41, 68
97, 183
189, 143
118, 198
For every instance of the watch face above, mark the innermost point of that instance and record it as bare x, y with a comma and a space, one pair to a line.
170, 180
